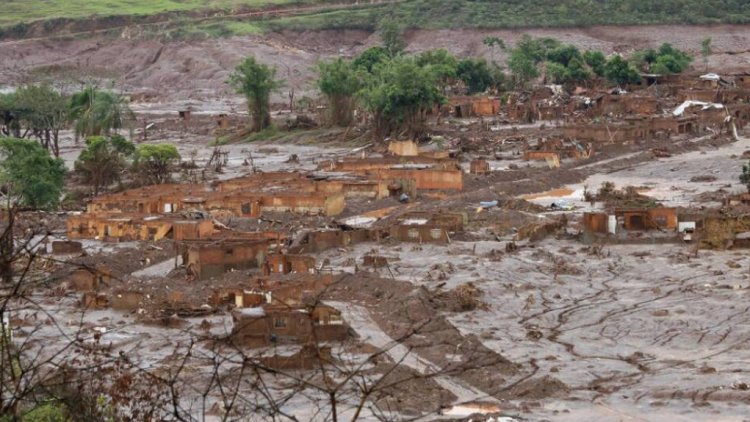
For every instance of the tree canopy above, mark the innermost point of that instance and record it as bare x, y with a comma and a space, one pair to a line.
29, 175
620, 71
154, 162
103, 160
398, 93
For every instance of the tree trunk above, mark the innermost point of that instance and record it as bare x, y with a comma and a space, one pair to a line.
6, 248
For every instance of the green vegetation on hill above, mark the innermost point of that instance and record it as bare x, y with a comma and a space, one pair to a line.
438, 14
428, 14
16, 11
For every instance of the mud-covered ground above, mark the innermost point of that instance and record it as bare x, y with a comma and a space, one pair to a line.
179, 71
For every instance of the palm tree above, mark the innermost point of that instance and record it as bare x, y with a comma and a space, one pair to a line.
98, 112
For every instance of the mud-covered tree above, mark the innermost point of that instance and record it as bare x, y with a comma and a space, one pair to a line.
29, 176
620, 71
398, 94
104, 160
256, 82
154, 163
339, 81
392, 36
706, 51
97, 112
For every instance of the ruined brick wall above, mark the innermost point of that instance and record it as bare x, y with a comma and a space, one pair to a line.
208, 261
595, 222
429, 179
419, 233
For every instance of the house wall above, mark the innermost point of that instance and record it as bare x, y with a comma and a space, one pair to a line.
479, 167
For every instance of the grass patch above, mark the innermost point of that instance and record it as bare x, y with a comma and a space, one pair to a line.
16, 11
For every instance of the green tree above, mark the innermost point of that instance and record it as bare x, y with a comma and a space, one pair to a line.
29, 176
577, 71
256, 81
9, 116
619, 71
370, 57
475, 74
526, 56
97, 112
154, 162
563, 54
557, 72
666, 59
391, 34
339, 82
103, 160
442, 64
706, 51
522, 67
745, 176
595, 60
398, 94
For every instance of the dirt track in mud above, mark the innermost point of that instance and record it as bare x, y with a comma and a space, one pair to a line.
197, 70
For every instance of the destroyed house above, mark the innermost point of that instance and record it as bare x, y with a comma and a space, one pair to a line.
153, 199
556, 149
270, 325
288, 263
403, 148
364, 164
632, 219
648, 219
322, 240
206, 260
625, 104
427, 228
350, 186
479, 166
122, 228
674, 125
292, 290
598, 132
463, 106
427, 173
